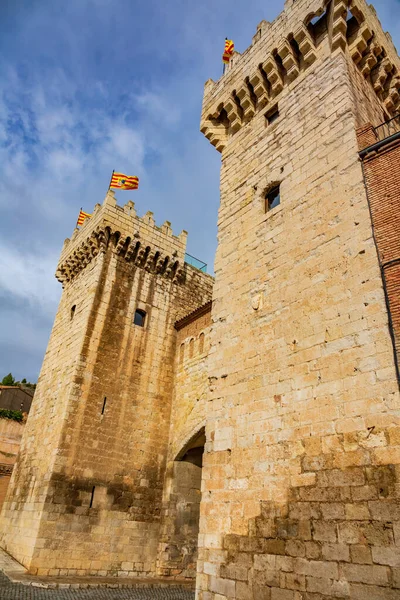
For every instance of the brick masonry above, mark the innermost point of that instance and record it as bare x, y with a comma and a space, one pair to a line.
382, 176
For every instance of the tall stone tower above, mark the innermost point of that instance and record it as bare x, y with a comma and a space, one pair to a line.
300, 495
86, 493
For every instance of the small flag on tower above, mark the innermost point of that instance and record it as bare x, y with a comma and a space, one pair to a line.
82, 217
228, 51
124, 182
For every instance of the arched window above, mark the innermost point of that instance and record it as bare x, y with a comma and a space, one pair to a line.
73, 309
191, 348
201, 343
140, 317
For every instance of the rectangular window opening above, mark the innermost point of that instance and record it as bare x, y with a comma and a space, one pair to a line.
104, 405
272, 115
139, 318
272, 198
92, 497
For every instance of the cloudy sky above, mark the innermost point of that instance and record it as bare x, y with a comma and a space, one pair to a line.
88, 86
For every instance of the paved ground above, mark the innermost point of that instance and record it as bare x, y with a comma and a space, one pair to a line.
17, 591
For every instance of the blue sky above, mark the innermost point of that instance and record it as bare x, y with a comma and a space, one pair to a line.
88, 86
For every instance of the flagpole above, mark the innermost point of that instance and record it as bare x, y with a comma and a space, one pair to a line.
109, 185
224, 65
78, 218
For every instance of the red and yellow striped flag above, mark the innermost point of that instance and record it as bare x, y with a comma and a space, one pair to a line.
82, 217
228, 51
124, 182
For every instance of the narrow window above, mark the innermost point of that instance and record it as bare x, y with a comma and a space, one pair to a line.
272, 198
181, 353
201, 343
73, 308
191, 348
92, 497
140, 317
104, 405
272, 115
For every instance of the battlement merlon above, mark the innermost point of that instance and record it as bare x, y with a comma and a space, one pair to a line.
283, 50
137, 238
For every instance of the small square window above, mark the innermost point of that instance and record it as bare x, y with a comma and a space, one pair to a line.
272, 198
140, 317
272, 115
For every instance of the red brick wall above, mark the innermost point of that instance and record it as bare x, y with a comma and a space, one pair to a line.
382, 175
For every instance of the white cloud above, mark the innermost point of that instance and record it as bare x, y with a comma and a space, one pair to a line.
29, 277
158, 108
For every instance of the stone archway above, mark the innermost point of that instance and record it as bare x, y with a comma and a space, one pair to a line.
180, 530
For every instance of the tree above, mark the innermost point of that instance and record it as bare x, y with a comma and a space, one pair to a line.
8, 380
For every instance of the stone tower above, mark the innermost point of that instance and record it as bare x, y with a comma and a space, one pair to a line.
300, 494
86, 493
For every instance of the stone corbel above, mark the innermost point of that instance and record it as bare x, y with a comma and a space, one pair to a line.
215, 135
360, 44
120, 245
380, 75
339, 24
150, 263
233, 112
369, 61
306, 44
392, 100
60, 275
214, 131
170, 270
246, 102
289, 60
141, 257
160, 265
102, 239
131, 250
259, 88
274, 77
180, 276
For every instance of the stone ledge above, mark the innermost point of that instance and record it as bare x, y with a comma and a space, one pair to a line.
16, 573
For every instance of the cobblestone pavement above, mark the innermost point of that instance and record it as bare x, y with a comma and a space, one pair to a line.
17, 591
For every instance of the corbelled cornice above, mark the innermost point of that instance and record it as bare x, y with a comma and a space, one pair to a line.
255, 79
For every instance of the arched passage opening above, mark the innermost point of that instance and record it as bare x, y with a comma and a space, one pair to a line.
179, 541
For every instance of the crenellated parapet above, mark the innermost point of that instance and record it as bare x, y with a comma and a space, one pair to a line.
284, 50
136, 239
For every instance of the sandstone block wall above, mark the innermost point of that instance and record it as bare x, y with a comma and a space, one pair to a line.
181, 500
300, 493
87, 491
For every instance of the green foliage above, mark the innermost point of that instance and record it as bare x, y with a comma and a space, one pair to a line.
8, 380
14, 415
